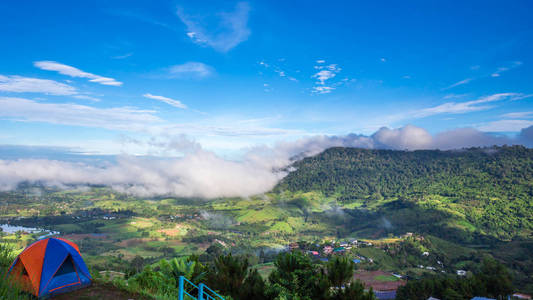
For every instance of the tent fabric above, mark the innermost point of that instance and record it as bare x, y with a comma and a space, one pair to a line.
32, 260
49, 267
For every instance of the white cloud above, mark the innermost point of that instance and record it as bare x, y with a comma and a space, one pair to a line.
225, 33
191, 70
323, 89
462, 82
19, 84
74, 72
120, 118
169, 101
325, 73
506, 125
277, 69
201, 173
496, 73
86, 97
453, 96
469, 106
408, 137
124, 56
510, 66
133, 120
518, 115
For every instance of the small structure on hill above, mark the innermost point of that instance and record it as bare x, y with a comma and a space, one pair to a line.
327, 250
294, 246
521, 296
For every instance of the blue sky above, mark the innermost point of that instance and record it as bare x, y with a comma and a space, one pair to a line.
112, 77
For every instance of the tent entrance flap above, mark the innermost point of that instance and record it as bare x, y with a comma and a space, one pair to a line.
65, 276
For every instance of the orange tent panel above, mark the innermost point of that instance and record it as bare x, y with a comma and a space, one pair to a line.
33, 258
22, 278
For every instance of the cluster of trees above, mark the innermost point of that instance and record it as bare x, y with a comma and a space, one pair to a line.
295, 277
493, 280
492, 187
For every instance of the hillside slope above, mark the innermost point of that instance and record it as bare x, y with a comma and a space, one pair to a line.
476, 192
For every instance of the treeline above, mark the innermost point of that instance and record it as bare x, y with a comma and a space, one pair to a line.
492, 280
491, 187
295, 277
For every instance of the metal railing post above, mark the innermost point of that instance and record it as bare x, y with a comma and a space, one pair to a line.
180, 288
201, 291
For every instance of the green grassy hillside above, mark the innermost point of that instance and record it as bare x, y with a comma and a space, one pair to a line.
487, 192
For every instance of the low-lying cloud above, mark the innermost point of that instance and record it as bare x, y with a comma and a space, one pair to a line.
201, 173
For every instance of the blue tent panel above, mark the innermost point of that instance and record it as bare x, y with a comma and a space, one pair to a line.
63, 269
78, 261
55, 255
65, 276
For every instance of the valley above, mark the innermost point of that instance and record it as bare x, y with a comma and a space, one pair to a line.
408, 218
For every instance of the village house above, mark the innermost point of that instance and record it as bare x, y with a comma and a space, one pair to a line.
294, 246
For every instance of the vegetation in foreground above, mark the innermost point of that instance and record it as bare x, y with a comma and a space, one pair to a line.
295, 276
8, 290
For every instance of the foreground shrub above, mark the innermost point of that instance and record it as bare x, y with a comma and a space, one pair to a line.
9, 290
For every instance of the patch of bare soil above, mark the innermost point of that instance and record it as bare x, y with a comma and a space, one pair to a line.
369, 279
99, 291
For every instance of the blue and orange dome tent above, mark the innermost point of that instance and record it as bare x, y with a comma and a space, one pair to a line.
50, 266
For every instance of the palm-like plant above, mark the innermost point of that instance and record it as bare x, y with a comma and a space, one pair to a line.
182, 267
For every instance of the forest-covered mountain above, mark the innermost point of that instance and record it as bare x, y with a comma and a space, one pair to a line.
483, 191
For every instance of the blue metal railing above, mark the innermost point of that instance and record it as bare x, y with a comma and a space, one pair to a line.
203, 291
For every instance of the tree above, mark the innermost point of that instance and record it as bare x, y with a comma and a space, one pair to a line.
295, 275
137, 263
353, 291
496, 278
339, 271
228, 274
254, 287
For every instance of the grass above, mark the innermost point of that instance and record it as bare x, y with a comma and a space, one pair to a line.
386, 278
261, 215
8, 290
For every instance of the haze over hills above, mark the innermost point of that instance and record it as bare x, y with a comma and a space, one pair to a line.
182, 167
